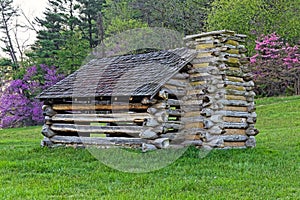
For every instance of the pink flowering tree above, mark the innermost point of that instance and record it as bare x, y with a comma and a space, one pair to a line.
18, 106
276, 67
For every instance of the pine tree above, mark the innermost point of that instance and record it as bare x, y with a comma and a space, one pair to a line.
90, 13
7, 14
57, 26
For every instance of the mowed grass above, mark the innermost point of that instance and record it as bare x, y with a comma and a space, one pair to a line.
269, 171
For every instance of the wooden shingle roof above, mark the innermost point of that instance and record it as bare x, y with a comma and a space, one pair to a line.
129, 75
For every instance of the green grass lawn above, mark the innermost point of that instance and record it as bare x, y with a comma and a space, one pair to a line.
269, 171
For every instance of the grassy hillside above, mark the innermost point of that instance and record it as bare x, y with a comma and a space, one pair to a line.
270, 171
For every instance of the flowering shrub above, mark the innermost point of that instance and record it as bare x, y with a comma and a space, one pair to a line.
18, 106
276, 67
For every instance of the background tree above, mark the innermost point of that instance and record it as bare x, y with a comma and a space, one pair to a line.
276, 67
72, 54
18, 106
257, 17
185, 16
120, 16
49, 38
57, 25
89, 14
7, 16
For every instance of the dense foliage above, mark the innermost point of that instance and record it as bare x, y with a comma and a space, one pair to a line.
256, 17
18, 106
185, 16
276, 66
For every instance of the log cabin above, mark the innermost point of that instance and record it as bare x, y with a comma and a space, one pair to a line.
200, 95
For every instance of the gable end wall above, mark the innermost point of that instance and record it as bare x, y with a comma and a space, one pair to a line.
220, 74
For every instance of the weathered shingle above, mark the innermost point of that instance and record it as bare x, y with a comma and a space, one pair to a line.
130, 75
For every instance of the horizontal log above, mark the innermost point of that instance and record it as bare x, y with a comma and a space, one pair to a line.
173, 102
234, 79
235, 125
236, 108
234, 87
195, 92
206, 112
64, 107
234, 119
214, 143
194, 125
191, 108
235, 138
148, 134
216, 130
240, 93
235, 144
234, 103
96, 129
204, 60
192, 137
147, 101
192, 143
109, 118
203, 38
236, 73
203, 69
160, 105
173, 90
235, 114
181, 76
192, 131
198, 83
161, 143
235, 131
243, 84
175, 113
204, 54
235, 97
173, 125
178, 83
192, 114
187, 120
108, 141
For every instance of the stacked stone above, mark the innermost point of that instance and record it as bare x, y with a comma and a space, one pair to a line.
220, 73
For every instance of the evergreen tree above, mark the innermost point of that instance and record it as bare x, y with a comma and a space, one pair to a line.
7, 14
120, 16
71, 56
185, 16
90, 14
57, 26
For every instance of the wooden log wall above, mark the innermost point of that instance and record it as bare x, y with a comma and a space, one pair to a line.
131, 122
220, 73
